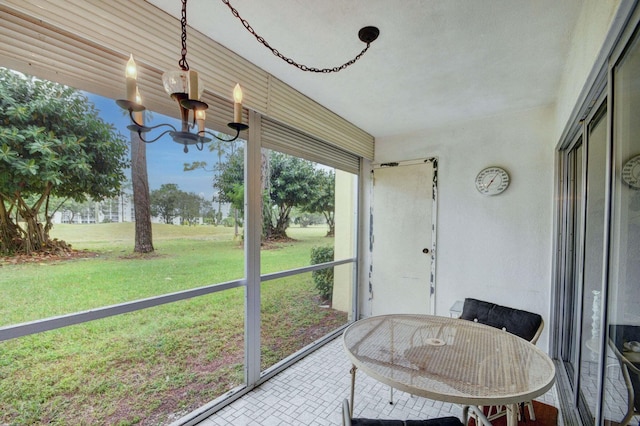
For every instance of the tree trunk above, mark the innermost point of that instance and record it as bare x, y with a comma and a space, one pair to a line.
282, 223
265, 187
235, 221
35, 236
48, 218
331, 222
33, 232
9, 232
141, 201
215, 219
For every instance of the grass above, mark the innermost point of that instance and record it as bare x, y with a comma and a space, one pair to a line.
150, 366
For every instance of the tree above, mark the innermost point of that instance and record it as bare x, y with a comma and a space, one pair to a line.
291, 182
170, 202
190, 207
323, 198
229, 182
221, 148
52, 143
209, 214
164, 202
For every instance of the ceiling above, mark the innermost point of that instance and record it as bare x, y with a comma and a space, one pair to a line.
436, 62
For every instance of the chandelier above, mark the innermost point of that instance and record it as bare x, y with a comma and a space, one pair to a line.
185, 88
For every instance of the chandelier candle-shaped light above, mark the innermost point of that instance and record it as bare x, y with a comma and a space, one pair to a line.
131, 73
185, 88
133, 94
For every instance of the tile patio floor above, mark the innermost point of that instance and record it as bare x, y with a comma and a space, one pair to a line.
311, 393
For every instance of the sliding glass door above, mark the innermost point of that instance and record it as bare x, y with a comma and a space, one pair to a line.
585, 188
622, 384
571, 278
598, 267
590, 293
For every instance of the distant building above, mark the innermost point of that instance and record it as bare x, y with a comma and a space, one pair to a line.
113, 210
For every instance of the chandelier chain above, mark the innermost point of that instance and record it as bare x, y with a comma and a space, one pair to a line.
284, 58
184, 65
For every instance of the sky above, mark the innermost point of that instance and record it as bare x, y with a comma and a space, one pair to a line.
165, 158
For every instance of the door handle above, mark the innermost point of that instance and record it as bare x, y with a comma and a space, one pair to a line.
425, 250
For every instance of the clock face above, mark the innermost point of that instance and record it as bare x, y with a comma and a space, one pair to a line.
492, 181
631, 172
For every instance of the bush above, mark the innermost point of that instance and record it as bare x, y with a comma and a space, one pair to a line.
230, 222
323, 279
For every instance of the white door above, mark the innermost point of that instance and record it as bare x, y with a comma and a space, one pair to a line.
403, 237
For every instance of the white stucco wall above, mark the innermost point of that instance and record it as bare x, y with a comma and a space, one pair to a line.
494, 248
500, 248
591, 29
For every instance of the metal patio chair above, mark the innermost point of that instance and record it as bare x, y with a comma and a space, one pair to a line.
347, 420
524, 324
624, 342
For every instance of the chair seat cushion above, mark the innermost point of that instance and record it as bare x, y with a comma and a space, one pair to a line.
521, 323
442, 421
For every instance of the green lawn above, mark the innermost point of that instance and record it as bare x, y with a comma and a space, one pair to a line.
140, 368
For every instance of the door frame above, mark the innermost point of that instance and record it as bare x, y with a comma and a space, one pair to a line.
434, 221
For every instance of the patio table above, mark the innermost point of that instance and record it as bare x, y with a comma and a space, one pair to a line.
450, 360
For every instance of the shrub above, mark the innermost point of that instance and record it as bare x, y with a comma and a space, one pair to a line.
323, 279
228, 222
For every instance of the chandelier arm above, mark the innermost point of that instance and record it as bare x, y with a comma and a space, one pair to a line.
220, 139
367, 35
154, 139
149, 128
133, 119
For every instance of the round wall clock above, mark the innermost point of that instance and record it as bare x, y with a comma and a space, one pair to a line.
492, 181
631, 172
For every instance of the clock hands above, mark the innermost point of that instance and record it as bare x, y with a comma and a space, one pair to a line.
492, 179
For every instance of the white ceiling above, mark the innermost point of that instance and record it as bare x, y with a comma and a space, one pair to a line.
436, 62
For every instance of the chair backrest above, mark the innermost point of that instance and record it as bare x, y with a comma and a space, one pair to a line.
619, 336
516, 321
